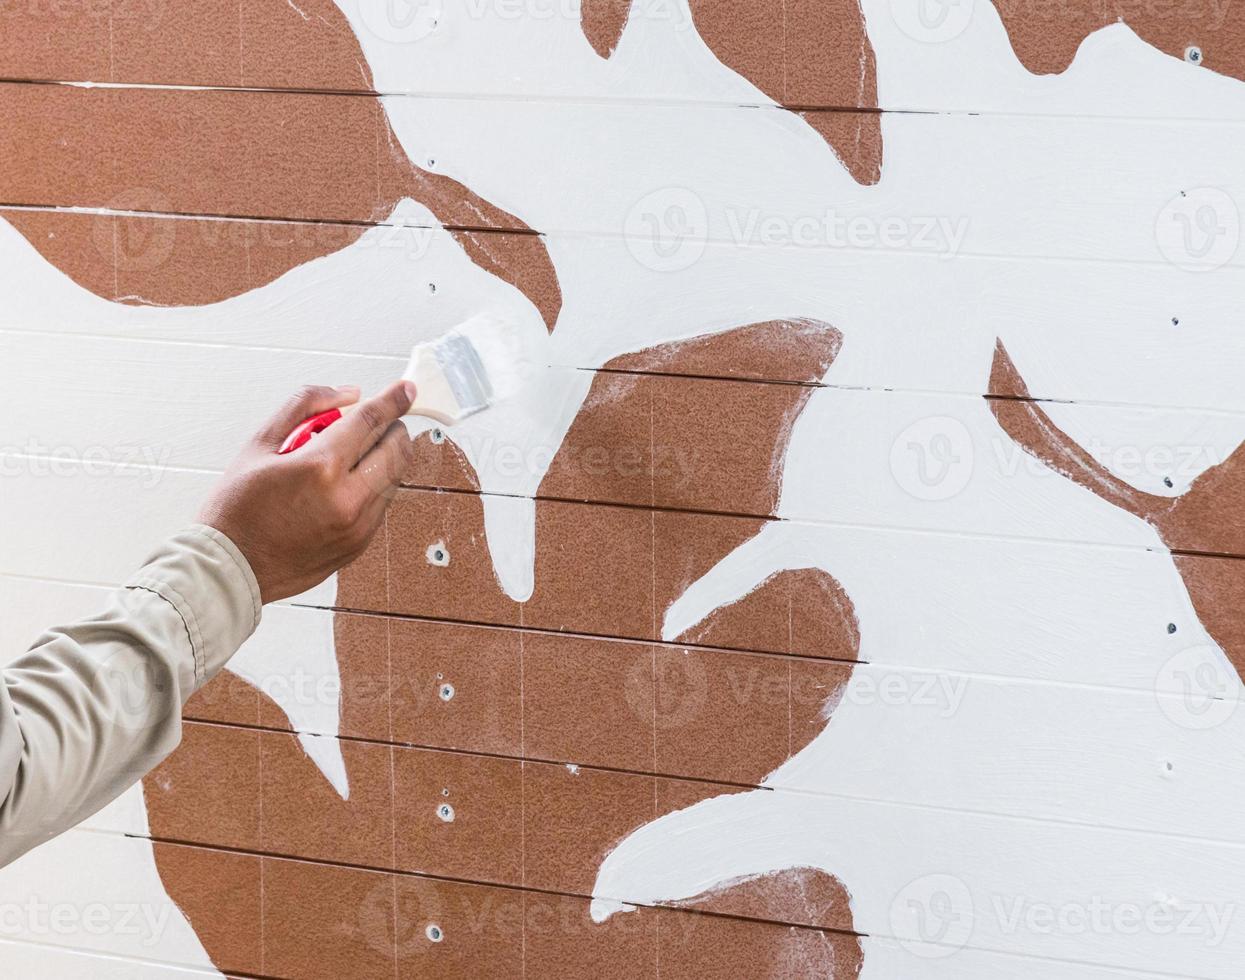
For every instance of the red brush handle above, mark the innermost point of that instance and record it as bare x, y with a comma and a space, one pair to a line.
307, 428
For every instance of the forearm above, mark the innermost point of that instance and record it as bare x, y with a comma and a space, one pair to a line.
92, 707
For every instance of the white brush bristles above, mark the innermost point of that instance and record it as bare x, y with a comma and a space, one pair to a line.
474, 366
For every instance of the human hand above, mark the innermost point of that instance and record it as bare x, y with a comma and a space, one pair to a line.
300, 517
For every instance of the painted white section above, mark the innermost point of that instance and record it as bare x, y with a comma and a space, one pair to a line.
536, 49
127, 814
95, 892
1123, 730
917, 459
982, 876
966, 63
376, 297
19, 959
1014, 608
932, 57
1009, 606
30, 607
616, 299
292, 659
891, 960
1027, 187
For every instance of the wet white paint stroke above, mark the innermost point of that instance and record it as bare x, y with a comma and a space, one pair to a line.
292, 659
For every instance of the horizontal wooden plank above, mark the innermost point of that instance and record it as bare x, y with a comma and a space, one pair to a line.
578, 831
248, 154
322, 45
711, 52
1008, 607
733, 174
714, 715
101, 894
334, 913
31, 959
735, 717
932, 737
294, 918
1095, 189
326, 921
1112, 333
916, 460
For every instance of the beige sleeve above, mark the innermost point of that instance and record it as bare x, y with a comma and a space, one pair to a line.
90, 708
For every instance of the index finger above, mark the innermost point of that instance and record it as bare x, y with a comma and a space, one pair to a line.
352, 437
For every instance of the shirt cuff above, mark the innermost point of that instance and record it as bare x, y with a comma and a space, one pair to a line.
203, 575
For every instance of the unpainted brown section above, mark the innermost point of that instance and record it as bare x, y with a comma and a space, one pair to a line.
221, 895
676, 444
481, 818
801, 53
1209, 517
615, 704
806, 604
600, 570
603, 22
668, 427
339, 923
1046, 36
797, 350
258, 43
819, 896
276, 155
440, 464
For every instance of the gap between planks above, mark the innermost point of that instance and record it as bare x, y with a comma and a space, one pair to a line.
604, 235
781, 790
449, 879
768, 518
400, 360
652, 102
1000, 679
675, 909
499, 756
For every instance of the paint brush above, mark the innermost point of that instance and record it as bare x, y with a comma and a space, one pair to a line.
458, 375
